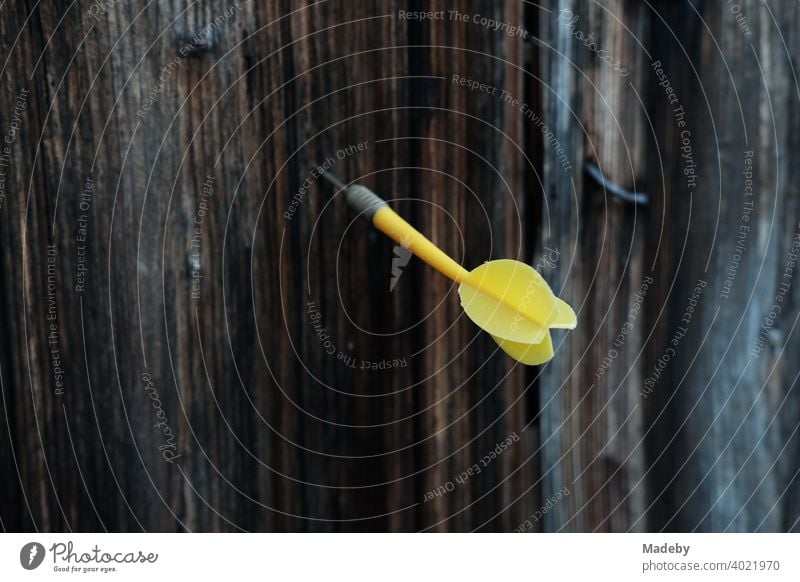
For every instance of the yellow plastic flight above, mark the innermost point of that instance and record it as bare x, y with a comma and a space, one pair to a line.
508, 299
528, 354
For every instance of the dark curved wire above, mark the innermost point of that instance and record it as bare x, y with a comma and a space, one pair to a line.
615, 189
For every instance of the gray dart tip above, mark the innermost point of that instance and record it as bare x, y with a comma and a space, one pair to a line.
331, 178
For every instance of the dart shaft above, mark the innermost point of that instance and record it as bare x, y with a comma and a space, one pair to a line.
386, 220
395, 227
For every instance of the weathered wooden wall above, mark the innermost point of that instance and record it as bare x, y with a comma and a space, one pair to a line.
208, 137
702, 437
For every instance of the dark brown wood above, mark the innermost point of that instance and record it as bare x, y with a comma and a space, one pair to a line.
179, 139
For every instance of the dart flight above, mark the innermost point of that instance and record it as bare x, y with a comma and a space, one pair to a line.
508, 299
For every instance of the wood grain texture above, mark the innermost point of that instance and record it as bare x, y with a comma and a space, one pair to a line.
180, 138
708, 448
272, 432
589, 393
724, 431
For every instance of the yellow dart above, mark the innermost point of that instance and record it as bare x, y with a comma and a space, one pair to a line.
508, 299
